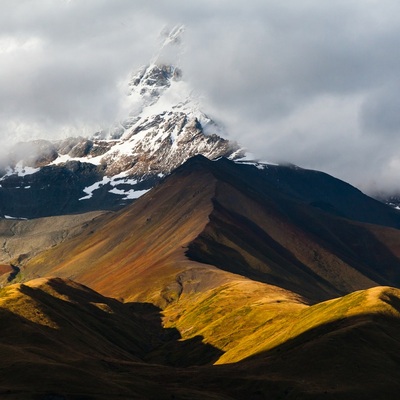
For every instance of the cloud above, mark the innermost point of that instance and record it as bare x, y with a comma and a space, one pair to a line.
62, 62
310, 82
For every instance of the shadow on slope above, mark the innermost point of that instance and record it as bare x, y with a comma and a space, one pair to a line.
347, 348
236, 244
353, 242
355, 357
295, 246
64, 338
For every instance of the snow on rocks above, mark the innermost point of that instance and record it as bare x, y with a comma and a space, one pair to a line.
162, 129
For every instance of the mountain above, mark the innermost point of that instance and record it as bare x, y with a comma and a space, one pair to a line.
163, 128
225, 281
153, 261
239, 219
392, 199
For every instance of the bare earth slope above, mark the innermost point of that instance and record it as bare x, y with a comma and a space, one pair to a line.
23, 239
214, 220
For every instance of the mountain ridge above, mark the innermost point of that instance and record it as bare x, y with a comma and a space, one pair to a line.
215, 214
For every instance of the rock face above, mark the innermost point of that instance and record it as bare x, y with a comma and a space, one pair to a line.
50, 190
164, 128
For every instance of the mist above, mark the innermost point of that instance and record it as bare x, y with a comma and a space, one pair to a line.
306, 82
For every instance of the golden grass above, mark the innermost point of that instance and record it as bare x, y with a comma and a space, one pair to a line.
227, 314
244, 318
73, 336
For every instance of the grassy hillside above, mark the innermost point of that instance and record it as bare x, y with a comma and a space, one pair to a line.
63, 340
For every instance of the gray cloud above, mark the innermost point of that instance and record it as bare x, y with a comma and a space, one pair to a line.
61, 63
380, 113
305, 81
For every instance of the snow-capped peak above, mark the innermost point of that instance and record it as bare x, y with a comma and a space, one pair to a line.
150, 82
164, 127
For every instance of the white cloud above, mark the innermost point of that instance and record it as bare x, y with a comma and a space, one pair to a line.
10, 44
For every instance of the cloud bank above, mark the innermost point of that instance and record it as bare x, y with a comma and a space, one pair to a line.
308, 82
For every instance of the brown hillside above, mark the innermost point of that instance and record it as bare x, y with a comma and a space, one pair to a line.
209, 222
138, 253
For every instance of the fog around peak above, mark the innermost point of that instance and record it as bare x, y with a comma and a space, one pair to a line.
308, 82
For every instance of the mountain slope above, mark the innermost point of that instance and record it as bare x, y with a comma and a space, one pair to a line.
61, 339
327, 193
23, 239
89, 346
223, 220
215, 265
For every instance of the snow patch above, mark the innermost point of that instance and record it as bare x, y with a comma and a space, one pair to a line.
97, 185
129, 194
259, 165
65, 158
134, 194
114, 182
23, 171
19, 170
19, 218
117, 191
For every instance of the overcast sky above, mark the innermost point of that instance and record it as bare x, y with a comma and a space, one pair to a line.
312, 82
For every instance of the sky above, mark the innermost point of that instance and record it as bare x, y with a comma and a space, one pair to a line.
311, 82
